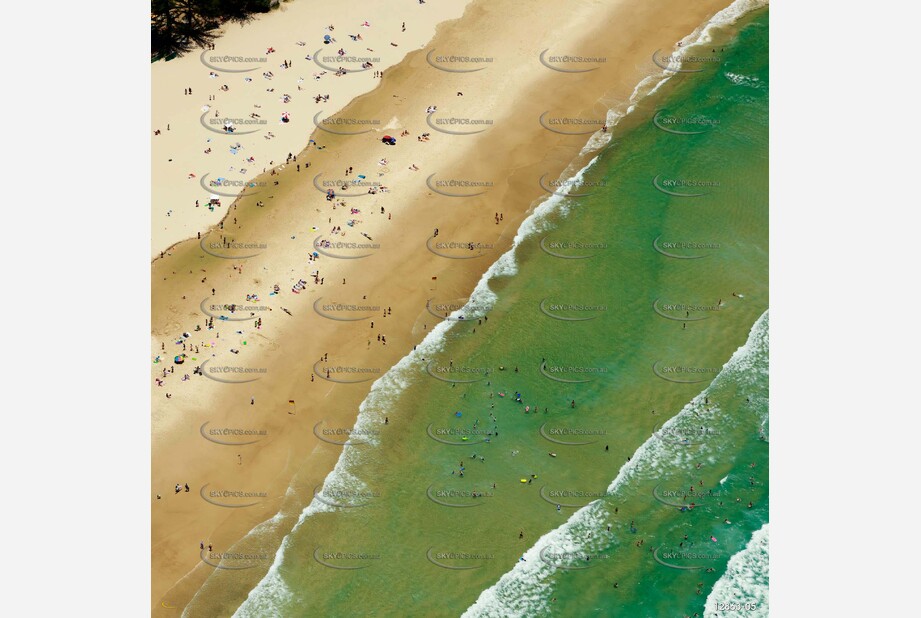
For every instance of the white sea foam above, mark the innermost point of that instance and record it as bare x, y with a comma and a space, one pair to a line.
744, 80
650, 84
523, 590
745, 582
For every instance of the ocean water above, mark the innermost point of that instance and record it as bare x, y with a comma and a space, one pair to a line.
631, 318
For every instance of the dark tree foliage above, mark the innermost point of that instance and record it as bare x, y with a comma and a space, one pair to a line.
179, 26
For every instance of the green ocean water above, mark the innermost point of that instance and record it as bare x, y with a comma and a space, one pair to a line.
605, 345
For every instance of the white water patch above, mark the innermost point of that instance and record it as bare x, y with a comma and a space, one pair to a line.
523, 590
744, 585
744, 80
649, 85
749, 362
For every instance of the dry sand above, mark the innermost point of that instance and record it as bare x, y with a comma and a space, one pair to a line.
240, 55
513, 153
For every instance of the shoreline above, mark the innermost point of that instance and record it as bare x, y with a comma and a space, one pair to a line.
458, 280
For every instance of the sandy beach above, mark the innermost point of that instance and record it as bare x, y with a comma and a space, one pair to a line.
192, 150
357, 273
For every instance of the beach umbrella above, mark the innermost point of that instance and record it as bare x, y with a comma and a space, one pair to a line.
178, 360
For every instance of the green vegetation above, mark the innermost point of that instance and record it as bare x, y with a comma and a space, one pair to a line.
179, 26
